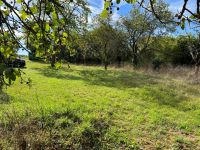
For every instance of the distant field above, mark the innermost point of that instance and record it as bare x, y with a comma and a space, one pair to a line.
89, 108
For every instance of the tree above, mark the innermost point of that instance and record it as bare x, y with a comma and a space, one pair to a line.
46, 23
181, 54
120, 48
140, 26
86, 46
105, 35
194, 49
8, 48
92, 44
59, 28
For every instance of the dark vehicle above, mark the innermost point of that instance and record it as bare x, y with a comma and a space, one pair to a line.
17, 63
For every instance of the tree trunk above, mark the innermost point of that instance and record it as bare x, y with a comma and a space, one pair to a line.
135, 60
119, 61
68, 66
1, 84
134, 55
84, 62
53, 61
106, 66
1, 73
105, 57
196, 71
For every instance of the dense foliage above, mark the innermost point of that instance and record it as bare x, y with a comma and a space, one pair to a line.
58, 30
47, 27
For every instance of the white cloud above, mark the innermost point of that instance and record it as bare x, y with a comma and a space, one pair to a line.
115, 16
176, 6
96, 8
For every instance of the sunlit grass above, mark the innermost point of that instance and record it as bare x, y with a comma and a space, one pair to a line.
89, 108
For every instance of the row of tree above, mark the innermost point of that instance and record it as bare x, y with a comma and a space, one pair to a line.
57, 30
107, 44
139, 38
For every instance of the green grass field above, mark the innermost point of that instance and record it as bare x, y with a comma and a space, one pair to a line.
89, 108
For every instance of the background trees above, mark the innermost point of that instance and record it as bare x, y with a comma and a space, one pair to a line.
58, 30
194, 49
48, 27
8, 48
105, 35
140, 26
103, 44
60, 25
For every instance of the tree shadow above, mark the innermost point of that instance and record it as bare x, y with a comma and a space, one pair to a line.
109, 78
4, 98
93, 137
57, 73
151, 86
117, 79
56, 128
166, 96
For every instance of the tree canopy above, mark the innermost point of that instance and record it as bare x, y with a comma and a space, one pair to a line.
48, 26
52, 28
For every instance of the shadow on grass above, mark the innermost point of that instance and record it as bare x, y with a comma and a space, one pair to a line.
4, 98
117, 79
57, 132
164, 95
93, 136
150, 87
109, 78
57, 73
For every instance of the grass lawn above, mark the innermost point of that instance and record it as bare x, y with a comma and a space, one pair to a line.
89, 108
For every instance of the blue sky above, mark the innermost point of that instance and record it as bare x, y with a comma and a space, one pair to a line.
175, 6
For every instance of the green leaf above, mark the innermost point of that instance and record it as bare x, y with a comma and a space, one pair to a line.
23, 15
65, 34
64, 41
33, 9
183, 25
54, 14
154, 1
192, 17
6, 12
118, 1
1, 3
36, 27
178, 23
130, 1
104, 14
106, 4
17, 73
58, 65
19, 1
47, 27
